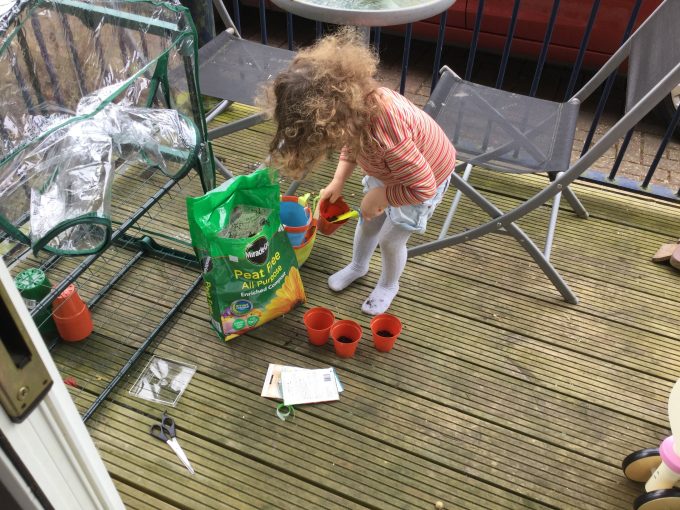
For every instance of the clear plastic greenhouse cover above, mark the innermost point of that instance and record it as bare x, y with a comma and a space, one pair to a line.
89, 89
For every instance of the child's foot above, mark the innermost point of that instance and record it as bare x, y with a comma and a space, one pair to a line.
344, 277
379, 300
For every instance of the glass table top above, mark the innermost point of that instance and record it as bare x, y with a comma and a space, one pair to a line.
365, 12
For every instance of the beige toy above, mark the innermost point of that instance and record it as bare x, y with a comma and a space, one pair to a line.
659, 468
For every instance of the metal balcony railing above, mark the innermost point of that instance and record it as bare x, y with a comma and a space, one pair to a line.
608, 173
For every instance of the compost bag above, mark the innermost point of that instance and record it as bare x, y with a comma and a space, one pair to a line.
249, 267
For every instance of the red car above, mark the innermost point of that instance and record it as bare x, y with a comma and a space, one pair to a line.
532, 21
533, 16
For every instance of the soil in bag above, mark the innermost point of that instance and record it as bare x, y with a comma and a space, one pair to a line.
249, 267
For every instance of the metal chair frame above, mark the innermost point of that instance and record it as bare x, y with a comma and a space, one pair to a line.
257, 72
505, 222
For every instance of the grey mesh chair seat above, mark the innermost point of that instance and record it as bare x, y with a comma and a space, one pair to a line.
233, 69
504, 131
509, 132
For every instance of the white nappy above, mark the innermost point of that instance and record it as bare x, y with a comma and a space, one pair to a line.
410, 217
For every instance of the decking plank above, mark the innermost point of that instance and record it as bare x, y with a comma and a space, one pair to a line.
648, 277
619, 310
564, 463
134, 291
561, 329
497, 395
136, 499
223, 478
231, 416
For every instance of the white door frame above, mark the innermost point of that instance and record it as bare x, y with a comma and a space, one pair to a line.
51, 444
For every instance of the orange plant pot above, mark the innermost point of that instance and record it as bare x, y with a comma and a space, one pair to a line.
346, 335
318, 322
385, 328
329, 210
72, 317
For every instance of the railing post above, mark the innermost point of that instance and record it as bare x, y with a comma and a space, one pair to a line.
609, 83
405, 57
263, 22
475, 40
438, 51
582, 51
662, 147
508, 45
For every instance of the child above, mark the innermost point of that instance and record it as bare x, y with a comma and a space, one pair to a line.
328, 99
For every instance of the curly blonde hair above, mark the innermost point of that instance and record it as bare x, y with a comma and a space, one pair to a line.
322, 102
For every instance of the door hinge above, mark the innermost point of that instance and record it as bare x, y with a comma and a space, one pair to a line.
24, 379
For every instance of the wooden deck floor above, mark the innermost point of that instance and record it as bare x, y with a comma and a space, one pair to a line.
498, 394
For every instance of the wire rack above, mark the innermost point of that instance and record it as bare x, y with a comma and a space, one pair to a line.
133, 289
137, 286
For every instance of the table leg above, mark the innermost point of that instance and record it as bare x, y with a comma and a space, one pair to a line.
365, 34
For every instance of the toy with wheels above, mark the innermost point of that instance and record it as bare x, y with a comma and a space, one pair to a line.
659, 468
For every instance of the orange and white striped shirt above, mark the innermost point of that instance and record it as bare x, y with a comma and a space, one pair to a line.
414, 155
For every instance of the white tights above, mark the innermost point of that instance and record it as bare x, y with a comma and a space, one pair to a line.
392, 240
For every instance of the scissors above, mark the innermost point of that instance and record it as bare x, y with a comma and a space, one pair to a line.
165, 431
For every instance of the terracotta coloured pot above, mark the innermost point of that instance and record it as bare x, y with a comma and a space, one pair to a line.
330, 210
318, 322
72, 317
386, 328
346, 335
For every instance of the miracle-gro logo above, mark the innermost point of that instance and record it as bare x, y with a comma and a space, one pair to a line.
257, 252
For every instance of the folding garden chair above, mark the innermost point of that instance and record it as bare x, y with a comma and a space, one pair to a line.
510, 132
232, 68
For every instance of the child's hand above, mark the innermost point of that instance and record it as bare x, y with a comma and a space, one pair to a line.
332, 192
374, 203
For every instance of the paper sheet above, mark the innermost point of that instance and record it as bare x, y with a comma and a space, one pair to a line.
308, 386
272, 381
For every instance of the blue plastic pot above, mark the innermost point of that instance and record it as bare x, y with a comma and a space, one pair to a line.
295, 219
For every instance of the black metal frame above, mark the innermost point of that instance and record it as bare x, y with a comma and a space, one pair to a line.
611, 178
140, 246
